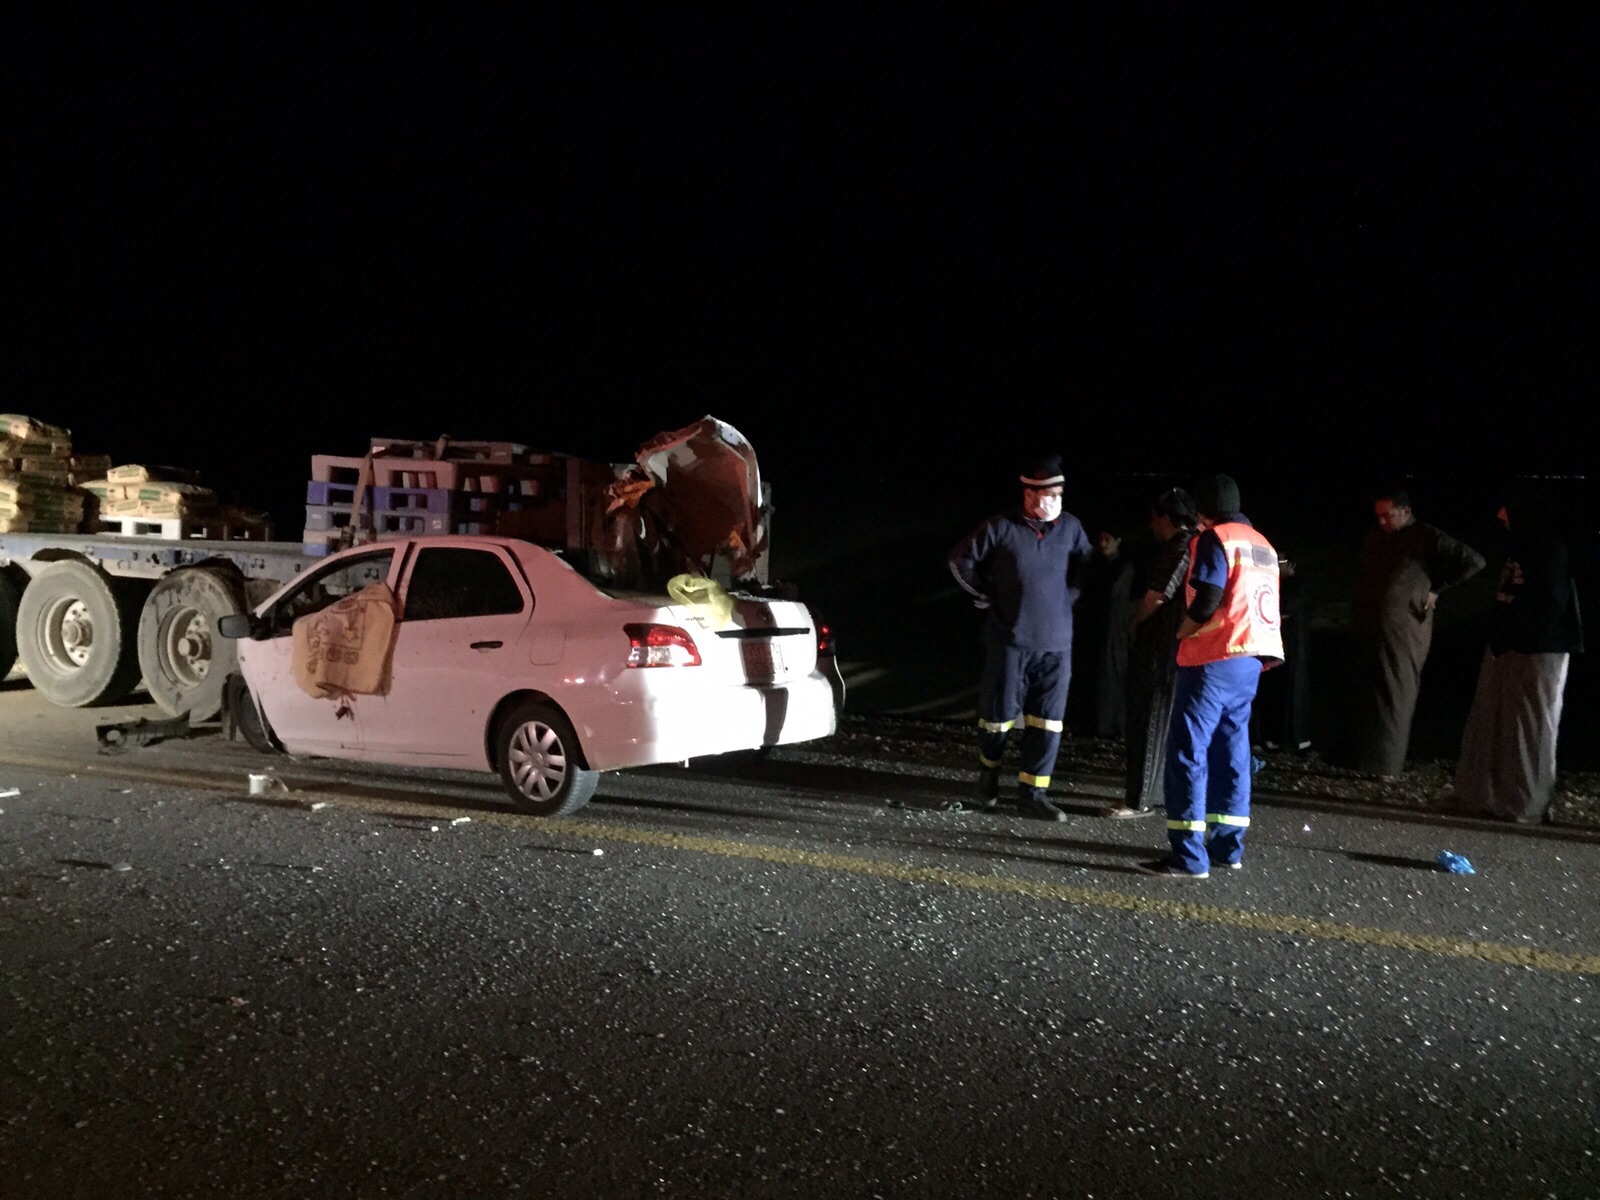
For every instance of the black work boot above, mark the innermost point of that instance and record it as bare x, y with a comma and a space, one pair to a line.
987, 797
1034, 803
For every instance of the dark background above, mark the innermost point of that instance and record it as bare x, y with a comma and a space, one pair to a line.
901, 252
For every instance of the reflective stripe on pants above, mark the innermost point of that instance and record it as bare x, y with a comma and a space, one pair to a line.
1030, 686
1207, 782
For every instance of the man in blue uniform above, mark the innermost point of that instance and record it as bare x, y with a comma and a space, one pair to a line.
1231, 631
1022, 567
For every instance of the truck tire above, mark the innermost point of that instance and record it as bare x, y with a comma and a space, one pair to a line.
184, 663
9, 596
75, 634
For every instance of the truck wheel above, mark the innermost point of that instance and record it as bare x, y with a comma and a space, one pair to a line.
184, 663
539, 761
75, 633
8, 625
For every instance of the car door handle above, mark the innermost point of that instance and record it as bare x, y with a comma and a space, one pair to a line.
487, 645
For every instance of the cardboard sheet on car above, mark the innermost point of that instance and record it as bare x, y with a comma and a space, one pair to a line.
347, 648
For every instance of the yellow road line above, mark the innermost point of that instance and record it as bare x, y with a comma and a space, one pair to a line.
1238, 918
1520, 956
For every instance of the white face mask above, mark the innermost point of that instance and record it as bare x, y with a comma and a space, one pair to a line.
1044, 508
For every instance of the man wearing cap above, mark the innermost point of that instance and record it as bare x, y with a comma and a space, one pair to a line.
1023, 567
1230, 632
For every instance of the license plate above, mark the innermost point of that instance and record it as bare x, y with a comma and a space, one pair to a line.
762, 661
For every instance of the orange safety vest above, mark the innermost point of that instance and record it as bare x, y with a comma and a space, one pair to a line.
1247, 621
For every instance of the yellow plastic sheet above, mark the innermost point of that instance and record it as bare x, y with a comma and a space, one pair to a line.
707, 597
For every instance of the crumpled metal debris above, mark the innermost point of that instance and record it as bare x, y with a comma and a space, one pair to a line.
120, 736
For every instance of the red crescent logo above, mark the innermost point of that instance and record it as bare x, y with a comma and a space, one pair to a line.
1266, 605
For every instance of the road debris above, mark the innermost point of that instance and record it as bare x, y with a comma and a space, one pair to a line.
1454, 863
10, 792
121, 736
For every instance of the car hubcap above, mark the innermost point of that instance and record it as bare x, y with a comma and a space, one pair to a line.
538, 761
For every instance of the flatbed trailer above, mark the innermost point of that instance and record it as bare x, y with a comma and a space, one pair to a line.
90, 615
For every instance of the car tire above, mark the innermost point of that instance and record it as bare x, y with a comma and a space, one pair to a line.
184, 661
75, 634
240, 707
541, 763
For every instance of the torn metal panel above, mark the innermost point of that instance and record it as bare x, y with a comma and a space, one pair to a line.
117, 737
709, 485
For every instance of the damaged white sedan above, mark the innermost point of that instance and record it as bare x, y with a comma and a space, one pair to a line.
494, 653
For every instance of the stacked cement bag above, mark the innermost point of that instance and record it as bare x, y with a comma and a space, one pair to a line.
84, 467
153, 493
36, 478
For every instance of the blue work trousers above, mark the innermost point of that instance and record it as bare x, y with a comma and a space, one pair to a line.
1207, 782
1028, 688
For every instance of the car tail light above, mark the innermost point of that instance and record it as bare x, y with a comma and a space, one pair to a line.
660, 646
824, 637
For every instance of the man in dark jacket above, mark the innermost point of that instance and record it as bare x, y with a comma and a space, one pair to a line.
1023, 567
1508, 751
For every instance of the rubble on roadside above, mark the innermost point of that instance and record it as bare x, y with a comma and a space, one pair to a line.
950, 746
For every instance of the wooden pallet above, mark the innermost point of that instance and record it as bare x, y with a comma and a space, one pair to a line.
453, 451
426, 474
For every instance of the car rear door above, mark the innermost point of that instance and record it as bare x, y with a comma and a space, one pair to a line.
463, 610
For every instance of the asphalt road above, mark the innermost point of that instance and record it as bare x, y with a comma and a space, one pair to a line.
794, 977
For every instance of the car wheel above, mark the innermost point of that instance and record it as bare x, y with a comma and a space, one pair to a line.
239, 706
540, 762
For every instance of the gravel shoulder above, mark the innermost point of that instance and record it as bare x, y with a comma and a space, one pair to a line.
949, 747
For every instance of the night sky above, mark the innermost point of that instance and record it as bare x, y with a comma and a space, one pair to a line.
894, 251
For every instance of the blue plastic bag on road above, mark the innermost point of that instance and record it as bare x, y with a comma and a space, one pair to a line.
1454, 863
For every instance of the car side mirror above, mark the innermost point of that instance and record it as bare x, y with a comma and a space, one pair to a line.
238, 625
